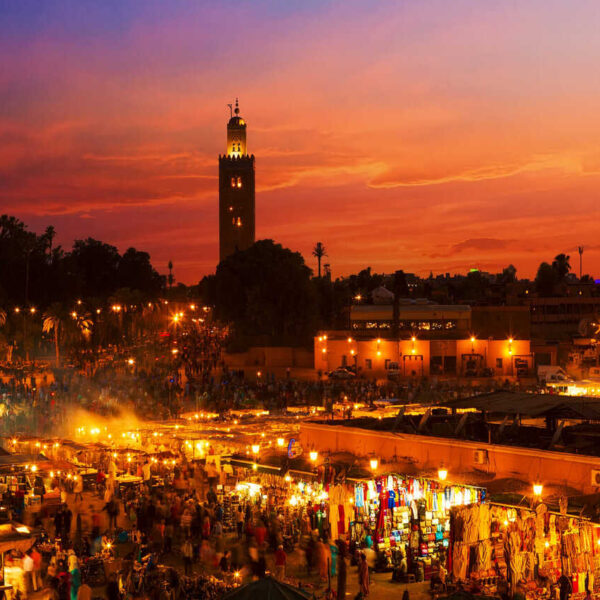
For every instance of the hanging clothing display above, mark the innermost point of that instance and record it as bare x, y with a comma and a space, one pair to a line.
409, 518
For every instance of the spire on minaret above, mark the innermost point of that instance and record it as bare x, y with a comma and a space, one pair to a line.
237, 107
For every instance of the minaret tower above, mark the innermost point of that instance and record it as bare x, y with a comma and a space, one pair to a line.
236, 190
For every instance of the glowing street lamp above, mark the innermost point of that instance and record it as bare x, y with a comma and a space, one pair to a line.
280, 442
374, 463
255, 449
538, 489
314, 455
442, 474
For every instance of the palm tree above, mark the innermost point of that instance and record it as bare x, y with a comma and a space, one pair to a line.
2, 317
53, 321
319, 251
65, 325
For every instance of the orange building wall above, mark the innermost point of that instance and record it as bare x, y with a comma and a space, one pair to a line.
415, 355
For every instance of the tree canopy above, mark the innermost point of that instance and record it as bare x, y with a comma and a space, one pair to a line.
36, 272
266, 292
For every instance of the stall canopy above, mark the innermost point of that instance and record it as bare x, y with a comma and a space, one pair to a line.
532, 405
15, 536
267, 589
14, 460
278, 464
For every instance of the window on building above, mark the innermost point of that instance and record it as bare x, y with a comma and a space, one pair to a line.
239, 222
233, 182
498, 363
239, 182
368, 363
231, 209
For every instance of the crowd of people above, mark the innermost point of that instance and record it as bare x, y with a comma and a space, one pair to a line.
138, 541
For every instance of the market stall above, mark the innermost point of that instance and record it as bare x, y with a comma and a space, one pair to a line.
407, 520
15, 539
498, 546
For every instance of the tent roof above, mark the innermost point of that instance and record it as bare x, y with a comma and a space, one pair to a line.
267, 588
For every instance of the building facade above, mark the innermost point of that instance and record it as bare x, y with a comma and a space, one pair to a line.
424, 319
418, 357
236, 190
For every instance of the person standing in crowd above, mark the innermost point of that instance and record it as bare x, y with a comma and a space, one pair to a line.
37, 569
28, 567
78, 489
85, 592
75, 575
565, 586
239, 521
112, 588
363, 575
187, 550
341, 567
280, 562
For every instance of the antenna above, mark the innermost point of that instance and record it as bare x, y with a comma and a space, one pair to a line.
230, 110
580, 250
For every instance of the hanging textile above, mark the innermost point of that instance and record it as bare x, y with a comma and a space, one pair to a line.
460, 561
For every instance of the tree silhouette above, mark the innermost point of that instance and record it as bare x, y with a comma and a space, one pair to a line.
561, 266
509, 274
319, 252
266, 292
545, 279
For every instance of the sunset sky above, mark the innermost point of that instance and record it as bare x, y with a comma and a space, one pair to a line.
423, 135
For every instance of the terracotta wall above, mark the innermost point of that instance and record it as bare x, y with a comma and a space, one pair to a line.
429, 453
